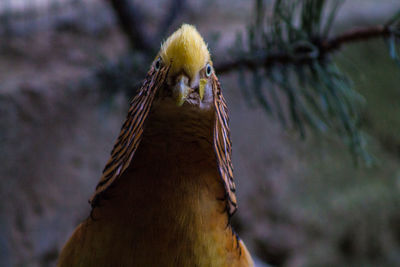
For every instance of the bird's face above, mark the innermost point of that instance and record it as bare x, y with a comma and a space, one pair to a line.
190, 70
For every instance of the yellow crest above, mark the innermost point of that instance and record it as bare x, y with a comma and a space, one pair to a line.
186, 50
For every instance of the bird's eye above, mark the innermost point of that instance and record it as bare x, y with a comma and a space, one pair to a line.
158, 64
208, 70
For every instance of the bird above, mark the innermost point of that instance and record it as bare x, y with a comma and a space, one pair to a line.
167, 193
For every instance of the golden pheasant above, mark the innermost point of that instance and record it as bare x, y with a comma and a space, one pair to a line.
167, 193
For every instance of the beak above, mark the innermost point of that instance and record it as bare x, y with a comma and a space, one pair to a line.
181, 90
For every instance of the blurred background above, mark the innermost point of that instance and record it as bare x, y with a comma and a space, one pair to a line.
67, 71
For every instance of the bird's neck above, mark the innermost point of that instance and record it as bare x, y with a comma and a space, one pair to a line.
171, 195
174, 169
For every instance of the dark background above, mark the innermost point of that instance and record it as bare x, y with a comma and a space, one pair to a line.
301, 203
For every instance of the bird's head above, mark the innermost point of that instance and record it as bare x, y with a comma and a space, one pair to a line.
186, 56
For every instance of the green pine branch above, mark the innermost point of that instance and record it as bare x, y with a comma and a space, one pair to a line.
289, 59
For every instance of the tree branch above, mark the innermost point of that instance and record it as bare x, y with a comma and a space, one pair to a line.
131, 20
176, 8
355, 35
325, 47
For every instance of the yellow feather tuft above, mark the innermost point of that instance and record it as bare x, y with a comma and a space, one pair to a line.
186, 50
